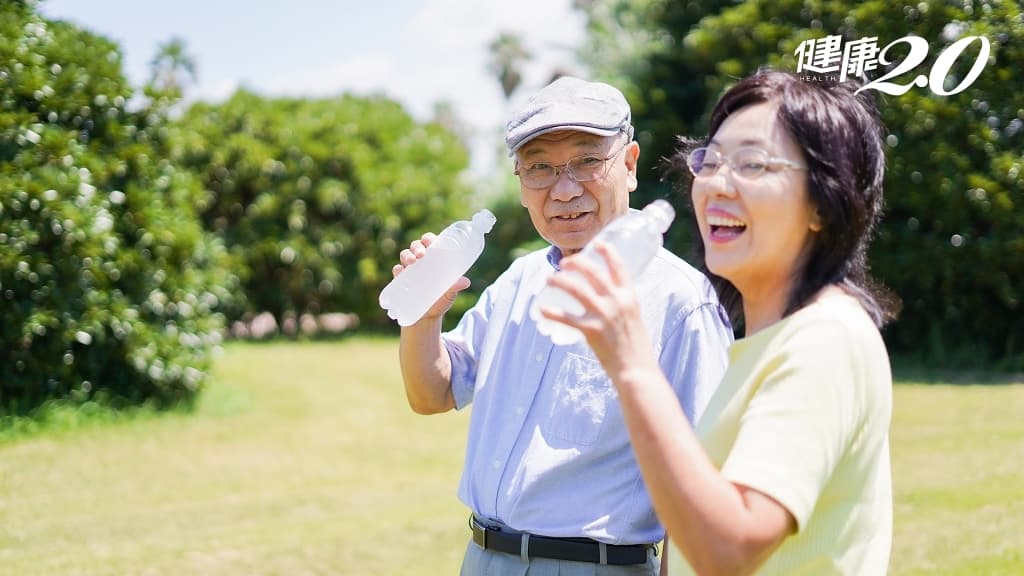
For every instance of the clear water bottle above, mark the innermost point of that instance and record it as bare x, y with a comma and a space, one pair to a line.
635, 237
410, 294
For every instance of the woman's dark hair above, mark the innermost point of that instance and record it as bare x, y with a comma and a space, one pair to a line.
841, 138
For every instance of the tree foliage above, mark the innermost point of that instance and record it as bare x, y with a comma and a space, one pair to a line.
315, 198
950, 244
109, 286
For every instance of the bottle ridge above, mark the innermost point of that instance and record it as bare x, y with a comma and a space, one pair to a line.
410, 294
635, 236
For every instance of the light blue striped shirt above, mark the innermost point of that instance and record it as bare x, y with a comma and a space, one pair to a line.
548, 451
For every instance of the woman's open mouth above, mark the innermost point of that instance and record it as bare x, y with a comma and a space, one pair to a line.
724, 227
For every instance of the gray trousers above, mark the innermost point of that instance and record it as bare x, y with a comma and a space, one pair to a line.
480, 562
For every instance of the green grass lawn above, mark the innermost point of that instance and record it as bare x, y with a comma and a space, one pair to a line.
305, 459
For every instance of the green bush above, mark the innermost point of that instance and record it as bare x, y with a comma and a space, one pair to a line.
315, 198
109, 286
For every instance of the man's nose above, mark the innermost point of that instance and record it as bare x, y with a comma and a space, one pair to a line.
565, 188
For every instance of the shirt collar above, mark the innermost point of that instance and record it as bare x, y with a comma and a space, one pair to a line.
554, 257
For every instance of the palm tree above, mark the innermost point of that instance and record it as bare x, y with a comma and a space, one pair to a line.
169, 65
507, 58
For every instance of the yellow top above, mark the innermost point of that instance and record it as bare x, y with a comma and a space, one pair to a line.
803, 415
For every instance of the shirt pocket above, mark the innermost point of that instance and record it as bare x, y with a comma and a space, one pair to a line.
581, 393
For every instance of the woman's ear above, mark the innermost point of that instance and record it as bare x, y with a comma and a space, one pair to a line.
815, 224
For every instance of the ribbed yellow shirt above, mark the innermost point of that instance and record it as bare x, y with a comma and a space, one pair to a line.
803, 415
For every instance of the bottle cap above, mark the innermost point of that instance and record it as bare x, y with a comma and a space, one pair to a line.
660, 213
484, 220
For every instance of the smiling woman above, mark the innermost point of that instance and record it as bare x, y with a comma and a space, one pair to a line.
755, 215
797, 139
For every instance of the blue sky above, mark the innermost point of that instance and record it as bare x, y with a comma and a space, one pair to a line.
418, 52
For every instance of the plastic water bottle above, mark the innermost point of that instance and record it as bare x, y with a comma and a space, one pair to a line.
635, 237
410, 294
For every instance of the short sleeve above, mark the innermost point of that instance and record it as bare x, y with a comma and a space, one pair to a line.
695, 357
801, 419
464, 344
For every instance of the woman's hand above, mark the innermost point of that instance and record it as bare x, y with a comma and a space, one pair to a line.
611, 322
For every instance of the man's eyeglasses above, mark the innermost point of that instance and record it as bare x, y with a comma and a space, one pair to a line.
748, 163
583, 168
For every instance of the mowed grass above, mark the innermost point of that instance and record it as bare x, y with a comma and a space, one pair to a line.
958, 472
305, 459
301, 459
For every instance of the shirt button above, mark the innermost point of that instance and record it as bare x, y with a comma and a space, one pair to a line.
496, 464
519, 410
539, 357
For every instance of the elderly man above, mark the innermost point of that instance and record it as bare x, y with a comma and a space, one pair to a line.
549, 474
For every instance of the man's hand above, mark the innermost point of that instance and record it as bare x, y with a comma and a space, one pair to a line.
413, 253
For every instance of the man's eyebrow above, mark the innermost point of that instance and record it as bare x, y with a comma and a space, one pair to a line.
582, 142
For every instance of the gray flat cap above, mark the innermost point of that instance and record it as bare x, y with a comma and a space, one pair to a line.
569, 104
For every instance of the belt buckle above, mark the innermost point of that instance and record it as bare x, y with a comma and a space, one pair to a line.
479, 533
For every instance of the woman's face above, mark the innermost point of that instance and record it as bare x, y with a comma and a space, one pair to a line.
756, 230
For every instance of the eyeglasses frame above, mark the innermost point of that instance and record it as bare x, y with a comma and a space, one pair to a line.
564, 167
727, 160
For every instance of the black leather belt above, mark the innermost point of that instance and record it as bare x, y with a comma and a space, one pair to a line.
573, 549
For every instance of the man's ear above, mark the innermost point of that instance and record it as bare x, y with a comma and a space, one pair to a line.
515, 167
632, 155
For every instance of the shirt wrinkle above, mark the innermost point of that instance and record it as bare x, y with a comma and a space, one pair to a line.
546, 432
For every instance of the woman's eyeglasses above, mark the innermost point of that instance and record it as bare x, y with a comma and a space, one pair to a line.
747, 163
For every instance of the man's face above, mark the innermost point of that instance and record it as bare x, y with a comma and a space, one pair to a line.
569, 213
